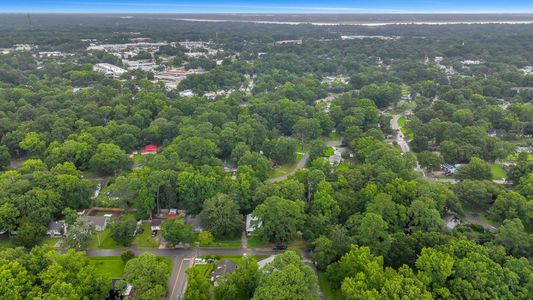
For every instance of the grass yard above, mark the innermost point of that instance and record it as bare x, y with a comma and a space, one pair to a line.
298, 244
498, 172
328, 151
325, 287
234, 243
145, 240
103, 240
113, 266
257, 242
514, 156
5, 242
408, 133
401, 121
286, 168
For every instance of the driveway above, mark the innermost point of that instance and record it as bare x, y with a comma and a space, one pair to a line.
298, 166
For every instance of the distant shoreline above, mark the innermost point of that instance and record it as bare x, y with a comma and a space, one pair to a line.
360, 24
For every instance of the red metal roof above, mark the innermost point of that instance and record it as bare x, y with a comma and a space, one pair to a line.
150, 148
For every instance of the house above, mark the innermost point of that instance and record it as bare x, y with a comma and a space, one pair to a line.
195, 222
120, 290
150, 149
252, 223
99, 222
155, 224
520, 149
266, 261
224, 267
56, 228
449, 169
336, 158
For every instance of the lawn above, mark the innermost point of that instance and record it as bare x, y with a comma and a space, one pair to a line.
328, 151
144, 240
514, 156
113, 266
401, 121
408, 133
286, 168
5, 242
498, 172
325, 287
234, 243
257, 242
103, 240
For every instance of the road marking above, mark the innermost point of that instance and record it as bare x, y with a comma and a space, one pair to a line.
176, 281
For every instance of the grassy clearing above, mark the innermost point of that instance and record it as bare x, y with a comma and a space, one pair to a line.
103, 240
329, 151
113, 266
401, 121
257, 242
233, 243
514, 156
498, 172
298, 244
145, 240
408, 133
325, 287
286, 168
6, 242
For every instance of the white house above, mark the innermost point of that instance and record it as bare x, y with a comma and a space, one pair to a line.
252, 223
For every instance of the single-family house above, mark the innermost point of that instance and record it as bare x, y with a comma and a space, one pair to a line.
155, 224
56, 228
265, 261
99, 222
252, 223
150, 149
224, 267
120, 290
195, 222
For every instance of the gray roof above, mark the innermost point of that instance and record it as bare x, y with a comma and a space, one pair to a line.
224, 267
195, 222
56, 226
97, 220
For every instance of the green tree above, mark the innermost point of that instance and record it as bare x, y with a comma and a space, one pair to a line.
241, 283
512, 236
198, 287
123, 229
4, 157
79, 234
149, 275
424, 216
372, 232
29, 234
34, 144
220, 215
205, 238
509, 205
109, 159
9, 217
476, 169
287, 278
175, 231
280, 218
429, 161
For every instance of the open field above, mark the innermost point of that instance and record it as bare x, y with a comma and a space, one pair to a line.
113, 266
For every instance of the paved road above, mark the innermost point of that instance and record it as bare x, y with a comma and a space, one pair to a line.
298, 166
181, 260
474, 218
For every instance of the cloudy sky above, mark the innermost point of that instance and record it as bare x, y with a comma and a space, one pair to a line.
272, 6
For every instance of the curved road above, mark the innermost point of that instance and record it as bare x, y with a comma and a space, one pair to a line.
298, 166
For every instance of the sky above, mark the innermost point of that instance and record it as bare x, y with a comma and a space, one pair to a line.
270, 6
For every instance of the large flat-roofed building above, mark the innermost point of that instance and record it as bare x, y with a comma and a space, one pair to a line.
109, 70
